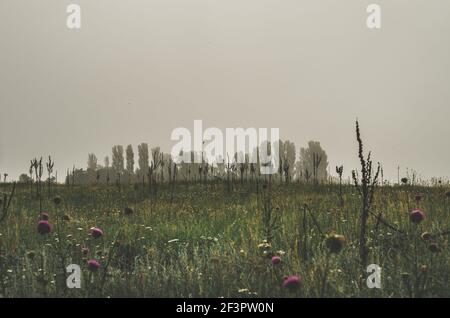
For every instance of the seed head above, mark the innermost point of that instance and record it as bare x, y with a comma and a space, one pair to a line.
44, 216
426, 236
128, 211
57, 200
434, 248
335, 243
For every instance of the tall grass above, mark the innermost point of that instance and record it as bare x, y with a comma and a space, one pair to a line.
197, 243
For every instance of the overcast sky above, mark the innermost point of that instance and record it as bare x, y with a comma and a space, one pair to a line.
137, 69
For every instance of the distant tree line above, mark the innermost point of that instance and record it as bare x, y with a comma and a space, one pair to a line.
154, 166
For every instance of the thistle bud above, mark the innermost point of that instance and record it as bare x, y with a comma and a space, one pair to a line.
335, 243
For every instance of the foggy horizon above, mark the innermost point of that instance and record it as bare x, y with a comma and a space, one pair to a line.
137, 70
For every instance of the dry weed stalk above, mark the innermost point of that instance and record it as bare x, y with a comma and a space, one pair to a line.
49, 165
5, 203
340, 171
366, 188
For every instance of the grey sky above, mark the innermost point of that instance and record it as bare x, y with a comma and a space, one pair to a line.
138, 69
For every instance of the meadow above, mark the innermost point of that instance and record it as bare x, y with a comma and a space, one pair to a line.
207, 240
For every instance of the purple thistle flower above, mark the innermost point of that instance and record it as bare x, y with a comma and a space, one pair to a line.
93, 265
292, 282
44, 227
417, 216
276, 260
96, 232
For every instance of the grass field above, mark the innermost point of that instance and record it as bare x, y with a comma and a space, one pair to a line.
211, 242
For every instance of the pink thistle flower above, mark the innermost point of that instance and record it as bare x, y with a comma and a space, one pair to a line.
417, 216
44, 227
96, 232
292, 282
93, 265
276, 260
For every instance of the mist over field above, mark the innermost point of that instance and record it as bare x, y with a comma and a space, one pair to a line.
138, 69
113, 183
